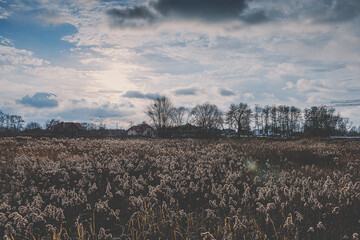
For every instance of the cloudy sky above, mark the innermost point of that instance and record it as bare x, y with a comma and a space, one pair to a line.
78, 60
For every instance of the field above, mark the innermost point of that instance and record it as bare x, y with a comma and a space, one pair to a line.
179, 189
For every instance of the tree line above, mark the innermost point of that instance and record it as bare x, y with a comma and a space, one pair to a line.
282, 120
12, 124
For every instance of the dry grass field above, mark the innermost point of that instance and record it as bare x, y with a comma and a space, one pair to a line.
179, 189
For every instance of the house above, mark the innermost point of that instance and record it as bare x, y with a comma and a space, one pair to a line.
228, 132
143, 130
65, 129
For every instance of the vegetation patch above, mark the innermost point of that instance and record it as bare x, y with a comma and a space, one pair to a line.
179, 189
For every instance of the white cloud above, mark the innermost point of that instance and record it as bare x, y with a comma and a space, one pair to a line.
4, 13
291, 59
248, 96
284, 70
5, 41
12, 56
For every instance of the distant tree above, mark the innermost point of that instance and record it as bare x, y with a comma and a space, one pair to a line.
239, 117
88, 125
283, 119
321, 121
52, 122
16, 123
343, 126
274, 120
32, 126
12, 122
85, 125
295, 118
7, 122
91, 126
258, 117
2, 120
207, 116
266, 117
180, 116
160, 112
353, 131
102, 126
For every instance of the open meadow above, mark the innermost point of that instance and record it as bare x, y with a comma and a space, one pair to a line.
179, 189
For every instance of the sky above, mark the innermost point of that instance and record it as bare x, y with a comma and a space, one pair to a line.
105, 60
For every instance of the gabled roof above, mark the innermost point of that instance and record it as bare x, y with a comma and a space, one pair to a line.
63, 126
140, 128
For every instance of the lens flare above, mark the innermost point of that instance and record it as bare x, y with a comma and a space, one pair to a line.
252, 166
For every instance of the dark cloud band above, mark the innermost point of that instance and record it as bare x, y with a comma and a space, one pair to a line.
224, 92
161, 10
320, 11
138, 94
40, 100
187, 91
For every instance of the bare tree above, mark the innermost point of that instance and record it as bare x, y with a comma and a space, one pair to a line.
160, 112
2, 120
344, 126
7, 121
32, 126
274, 120
52, 122
295, 118
266, 115
207, 116
180, 116
239, 117
257, 117
283, 119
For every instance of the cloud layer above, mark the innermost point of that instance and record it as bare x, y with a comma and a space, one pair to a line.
297, 52
248, 12
187, 91
40, 100
210, 11
224, 92
138, 94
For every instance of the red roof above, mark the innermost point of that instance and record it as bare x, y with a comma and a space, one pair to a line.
140, 128
63, 126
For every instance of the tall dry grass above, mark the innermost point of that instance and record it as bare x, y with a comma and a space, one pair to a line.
179, 189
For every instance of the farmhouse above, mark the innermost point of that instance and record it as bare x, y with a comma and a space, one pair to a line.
143, 129
69, 129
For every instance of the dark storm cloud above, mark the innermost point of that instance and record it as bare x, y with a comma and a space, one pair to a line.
338, 11
202, 10
138, 94
255, 17
186, 91
224, 92
39, 100
130, 17
320, 11
208, 10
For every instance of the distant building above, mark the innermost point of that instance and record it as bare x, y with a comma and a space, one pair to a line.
228, 133
143, 130
65, 129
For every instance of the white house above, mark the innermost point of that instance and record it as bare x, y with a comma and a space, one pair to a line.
141, 130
